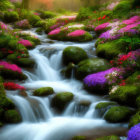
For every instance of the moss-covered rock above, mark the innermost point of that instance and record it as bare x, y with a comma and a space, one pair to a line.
111, 49
84, 103
6, 103
67, 72
79, 138
39, 30
90, 66
126, 94
60, 100
33, 19
11, 16
74, 54
23, 62
47, 14
12, 116
113, 137
118, 114
135, 119
5, 4
12, 75
45, 91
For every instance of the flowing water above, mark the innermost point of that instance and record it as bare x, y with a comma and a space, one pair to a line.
39, 120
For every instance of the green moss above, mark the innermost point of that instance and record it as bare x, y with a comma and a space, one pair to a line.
113, 137
135, 119
45, 91
12, 116
79, 138
118, 114
111, 49
74, 54
107, 13
67, 72
6, 103
33, 19
47, 14
60, 100
126, 94
11, 16
5, 4
2, 91
90, 66
39, 30
103, 105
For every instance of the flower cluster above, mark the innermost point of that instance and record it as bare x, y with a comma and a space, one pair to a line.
23, 24
26, 43
59, 24
102, 26
99, 78
132, 20
101, 18
3, 26
55, 31
13, 67
12, 86
134, 133
37, 14
77, 33
112, 5
69, 18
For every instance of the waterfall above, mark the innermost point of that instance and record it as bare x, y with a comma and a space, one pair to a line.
39, 119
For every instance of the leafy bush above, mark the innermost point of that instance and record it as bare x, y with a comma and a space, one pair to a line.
11, 16
47, 14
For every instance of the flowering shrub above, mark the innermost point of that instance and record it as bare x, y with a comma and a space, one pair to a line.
77, 33
12, 86
134, 133
6, 65
132, 20
26, 43
3, 26
112, 5
24, 24
99, 78
102, 26
55, 32
59, 24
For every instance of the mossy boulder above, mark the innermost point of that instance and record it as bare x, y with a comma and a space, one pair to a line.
126, 94
61, 100
33, 19
74, 54
84, 103
12, 116
67, 72
90, 66
12, 75
45, 91
11, 16
6, 103
118, 114
135, 119
113, 137
23, 62
47, 14
79, 138
39, 30
111, 49
102, 107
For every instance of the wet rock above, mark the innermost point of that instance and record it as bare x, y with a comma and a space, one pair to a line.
23, 93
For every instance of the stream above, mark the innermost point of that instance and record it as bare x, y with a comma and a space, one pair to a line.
39, 120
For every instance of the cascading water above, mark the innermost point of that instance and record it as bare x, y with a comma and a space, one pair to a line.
39, 120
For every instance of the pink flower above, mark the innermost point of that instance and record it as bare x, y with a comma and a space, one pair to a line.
9, 66
55, 32
26, 43
36, 14
102, 26
12, 86
3, 26
132, 20
77, 33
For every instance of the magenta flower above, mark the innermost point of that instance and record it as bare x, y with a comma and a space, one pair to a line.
77, 33
3, 26
25, 43
9, 66
134, 133
132, 20
98, 78
102, 26
54, 32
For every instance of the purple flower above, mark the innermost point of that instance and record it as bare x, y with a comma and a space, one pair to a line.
98, 78
132, 20
102, 26
134, 133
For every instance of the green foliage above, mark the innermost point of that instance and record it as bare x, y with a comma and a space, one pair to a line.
45, 91
11, 16
60, 100
74, 54
33, 19
135, 119
107, 13
47, 14
90, 66
79, 138
5, 4
118, 114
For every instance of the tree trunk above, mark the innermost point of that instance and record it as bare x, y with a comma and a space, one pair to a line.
25, 4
